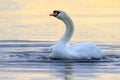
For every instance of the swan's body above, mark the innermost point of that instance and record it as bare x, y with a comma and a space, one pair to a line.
62, 50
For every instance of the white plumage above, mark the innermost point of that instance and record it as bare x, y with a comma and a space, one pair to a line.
62, 50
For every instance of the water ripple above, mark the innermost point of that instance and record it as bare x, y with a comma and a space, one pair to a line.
23, 57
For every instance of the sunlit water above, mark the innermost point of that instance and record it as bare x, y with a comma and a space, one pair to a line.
29, 60
27, 31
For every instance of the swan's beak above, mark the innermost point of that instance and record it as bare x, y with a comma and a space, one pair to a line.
54, 14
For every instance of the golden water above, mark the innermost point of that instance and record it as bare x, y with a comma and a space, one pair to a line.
95, 20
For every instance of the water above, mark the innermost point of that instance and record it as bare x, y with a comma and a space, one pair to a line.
28, 60
27, 31
30, 20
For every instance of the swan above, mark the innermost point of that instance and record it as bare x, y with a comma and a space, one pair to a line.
62, 50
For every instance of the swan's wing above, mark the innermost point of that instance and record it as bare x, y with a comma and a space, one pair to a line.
82, 46
87, 48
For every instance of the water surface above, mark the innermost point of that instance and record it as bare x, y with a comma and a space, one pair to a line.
94, 20
27, 31
28, 60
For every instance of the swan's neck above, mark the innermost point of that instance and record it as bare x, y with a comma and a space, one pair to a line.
69, 30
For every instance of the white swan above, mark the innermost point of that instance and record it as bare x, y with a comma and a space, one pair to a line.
62, 50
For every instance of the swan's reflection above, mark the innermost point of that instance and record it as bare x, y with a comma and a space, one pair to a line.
68, 72
63, 70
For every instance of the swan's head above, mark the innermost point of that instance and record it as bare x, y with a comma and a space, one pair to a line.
59, 14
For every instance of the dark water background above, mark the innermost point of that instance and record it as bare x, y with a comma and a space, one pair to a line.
28, 60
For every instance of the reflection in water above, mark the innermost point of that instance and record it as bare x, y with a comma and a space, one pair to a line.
23, 76
93, 69
68, 72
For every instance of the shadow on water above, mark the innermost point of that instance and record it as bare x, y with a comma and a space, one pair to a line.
33, 57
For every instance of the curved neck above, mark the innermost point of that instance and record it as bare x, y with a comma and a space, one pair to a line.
69, 30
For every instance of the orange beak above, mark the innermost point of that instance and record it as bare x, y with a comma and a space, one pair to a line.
54, 14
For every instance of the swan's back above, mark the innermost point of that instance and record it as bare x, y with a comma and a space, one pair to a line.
86, 50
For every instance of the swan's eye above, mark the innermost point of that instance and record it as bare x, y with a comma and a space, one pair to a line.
56, 12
